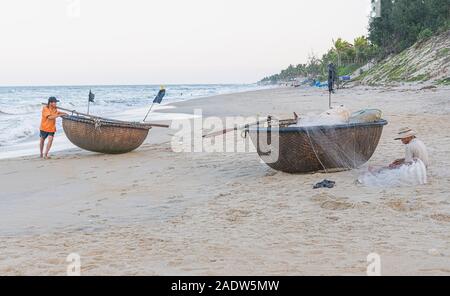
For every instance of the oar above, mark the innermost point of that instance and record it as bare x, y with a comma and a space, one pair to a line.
107, 119
222, 132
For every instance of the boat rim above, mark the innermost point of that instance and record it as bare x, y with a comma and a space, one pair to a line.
108, 122
293, 129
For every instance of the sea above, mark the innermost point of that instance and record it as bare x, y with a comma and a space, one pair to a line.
20, 108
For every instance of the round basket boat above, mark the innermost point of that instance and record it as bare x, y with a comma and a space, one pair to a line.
104, 135
317, 148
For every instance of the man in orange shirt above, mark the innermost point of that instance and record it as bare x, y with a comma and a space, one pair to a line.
48, 125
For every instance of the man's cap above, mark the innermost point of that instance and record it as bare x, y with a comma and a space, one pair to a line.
405, 132
53, 100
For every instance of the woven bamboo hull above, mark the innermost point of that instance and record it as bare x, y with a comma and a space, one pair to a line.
109, 137
312, 149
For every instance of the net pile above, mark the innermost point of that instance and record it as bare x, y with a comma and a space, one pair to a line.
405, 175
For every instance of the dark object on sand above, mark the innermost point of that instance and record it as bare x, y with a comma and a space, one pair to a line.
331, 77
317, 148
324, 184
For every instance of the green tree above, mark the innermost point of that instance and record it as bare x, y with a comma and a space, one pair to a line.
403, 22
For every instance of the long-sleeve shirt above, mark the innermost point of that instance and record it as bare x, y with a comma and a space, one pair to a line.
416, 149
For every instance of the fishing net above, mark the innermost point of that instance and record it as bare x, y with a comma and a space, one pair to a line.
335, 140
337, 144
405, 175
344, 141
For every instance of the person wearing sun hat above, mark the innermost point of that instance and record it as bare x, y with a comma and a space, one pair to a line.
414, 148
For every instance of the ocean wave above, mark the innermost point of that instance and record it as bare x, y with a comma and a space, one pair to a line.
16, 132
17, 135
20, 108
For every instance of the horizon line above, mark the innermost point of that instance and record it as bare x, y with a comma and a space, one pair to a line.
105, 85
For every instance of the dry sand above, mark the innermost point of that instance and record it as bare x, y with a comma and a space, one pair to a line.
156, 212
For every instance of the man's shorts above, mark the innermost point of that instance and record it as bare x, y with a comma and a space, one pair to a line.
44, 135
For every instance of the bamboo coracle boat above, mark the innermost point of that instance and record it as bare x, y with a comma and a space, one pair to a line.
103, 135
317, 148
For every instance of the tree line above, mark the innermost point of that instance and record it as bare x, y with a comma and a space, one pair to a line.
346, 56
399, 24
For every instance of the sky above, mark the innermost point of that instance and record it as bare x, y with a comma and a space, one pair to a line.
92, 42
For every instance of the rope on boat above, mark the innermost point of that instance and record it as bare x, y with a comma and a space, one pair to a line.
315, 152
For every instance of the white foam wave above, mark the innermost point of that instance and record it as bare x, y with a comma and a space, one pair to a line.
15, 131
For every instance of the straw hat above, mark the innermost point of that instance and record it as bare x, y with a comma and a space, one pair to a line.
405, 132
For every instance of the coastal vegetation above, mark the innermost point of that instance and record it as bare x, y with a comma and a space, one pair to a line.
345, 55
425, 61
402, 23
397, 26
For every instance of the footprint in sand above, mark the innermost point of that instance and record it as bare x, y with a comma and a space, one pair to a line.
336, 205
332, 218
235, 215
329, 202
441, 217
402, 206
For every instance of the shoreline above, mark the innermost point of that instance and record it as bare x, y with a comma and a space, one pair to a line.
26, 148
157, 212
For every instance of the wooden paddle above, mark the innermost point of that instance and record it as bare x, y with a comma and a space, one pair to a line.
222, 132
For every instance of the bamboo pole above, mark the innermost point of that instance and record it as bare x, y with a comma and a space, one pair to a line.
329, 100
150, 110
222, 132
114, 120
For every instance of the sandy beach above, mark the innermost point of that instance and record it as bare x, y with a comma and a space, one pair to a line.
157, 212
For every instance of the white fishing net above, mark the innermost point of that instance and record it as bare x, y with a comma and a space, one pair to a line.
338, 115
405, 175
336, 144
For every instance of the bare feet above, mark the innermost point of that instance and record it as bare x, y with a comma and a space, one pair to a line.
47, 157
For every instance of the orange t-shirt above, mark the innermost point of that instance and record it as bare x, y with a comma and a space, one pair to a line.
48, 125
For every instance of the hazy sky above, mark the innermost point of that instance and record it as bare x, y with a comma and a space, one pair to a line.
58, 42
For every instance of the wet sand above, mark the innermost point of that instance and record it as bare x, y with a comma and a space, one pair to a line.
156, 212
